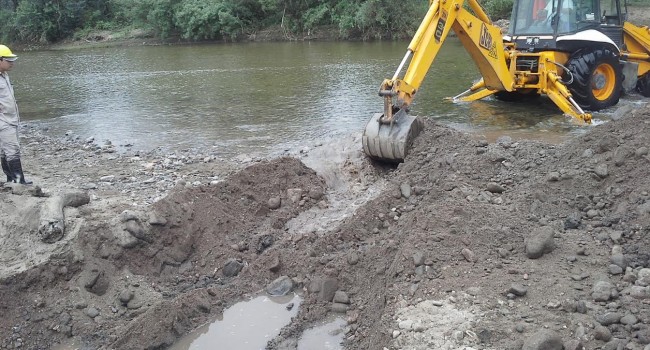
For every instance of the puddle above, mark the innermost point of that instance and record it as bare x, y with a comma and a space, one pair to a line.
247, 325
327, 336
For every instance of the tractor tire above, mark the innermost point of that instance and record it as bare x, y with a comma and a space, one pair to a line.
597, 78
516, 96
643, 85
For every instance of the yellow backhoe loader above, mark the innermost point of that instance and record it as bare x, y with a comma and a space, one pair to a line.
582, 54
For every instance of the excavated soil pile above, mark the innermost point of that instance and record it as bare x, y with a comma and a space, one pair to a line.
471, 245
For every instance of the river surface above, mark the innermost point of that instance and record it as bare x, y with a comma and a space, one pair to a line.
252, 97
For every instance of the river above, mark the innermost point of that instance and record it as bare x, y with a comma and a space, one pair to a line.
251, 97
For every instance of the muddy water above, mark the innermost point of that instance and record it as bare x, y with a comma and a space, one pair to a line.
247, 325
249, 98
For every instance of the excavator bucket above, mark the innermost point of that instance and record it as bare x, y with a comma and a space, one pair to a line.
390, 142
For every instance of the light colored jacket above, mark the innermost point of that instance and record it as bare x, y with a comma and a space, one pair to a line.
8, 107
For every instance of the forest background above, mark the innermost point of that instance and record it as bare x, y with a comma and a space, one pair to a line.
52, 21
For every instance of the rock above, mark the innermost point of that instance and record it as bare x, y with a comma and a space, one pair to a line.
341, 297
601, 171
353, 258
619, 260
494, 187
232, 268
615, 269
339, 308
418, 258
553, 176
126, 296
294, 194
91, 312
405, 190
543, 340
638, 292
518, 289
572, 222
316, 193
135, 228
614, 344
540, 242
609, 318
156, 219
643, 277
469, 255
602, 291
574, 345
328, 288
275, 264
274, 203
602, 333
281, 286
629, 319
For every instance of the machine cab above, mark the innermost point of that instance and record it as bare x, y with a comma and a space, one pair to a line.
537, 24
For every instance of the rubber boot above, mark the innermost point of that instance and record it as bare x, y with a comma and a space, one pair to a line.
5, 169
17, 170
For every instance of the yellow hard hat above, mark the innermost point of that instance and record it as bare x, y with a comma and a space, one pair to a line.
6, 53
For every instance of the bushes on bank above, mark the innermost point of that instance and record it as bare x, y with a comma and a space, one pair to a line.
47, 21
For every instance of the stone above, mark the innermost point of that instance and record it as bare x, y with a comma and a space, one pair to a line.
156, 219
602, 291
405, 190
643, 277
274, 203
328, 288
602, 333
518, 289
339, 308
574, 345
641, 293
92, 312
126, 296
540, 242
609, 318
341, 297
601, 170
469, 255
629, 319
282, 285
232, 268
494, 187
619, 260
543, 340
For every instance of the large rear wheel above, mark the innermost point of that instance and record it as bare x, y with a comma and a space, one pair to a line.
643, 85
597, 78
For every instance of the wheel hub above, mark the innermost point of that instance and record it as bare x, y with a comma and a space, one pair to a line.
598, 82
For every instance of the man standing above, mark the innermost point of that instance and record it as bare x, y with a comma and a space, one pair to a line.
9, 121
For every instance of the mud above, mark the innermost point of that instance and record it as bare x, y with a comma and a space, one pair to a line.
466, 245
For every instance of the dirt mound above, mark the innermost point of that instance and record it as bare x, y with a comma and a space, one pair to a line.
470, 245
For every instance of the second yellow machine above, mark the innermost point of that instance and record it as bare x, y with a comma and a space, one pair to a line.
582, 54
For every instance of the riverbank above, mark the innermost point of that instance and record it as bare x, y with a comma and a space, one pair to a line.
468, 244
638, 14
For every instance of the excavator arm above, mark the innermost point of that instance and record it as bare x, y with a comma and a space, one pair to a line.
388, 135
479, 37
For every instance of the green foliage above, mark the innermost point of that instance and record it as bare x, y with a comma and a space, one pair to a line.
53, 20
210, 19
498, 9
